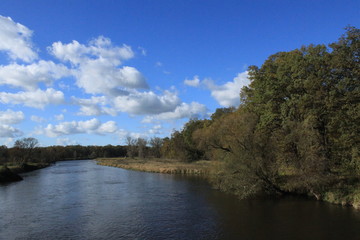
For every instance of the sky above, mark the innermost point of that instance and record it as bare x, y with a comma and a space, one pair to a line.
95, 72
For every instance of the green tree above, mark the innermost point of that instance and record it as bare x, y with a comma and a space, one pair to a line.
302, 108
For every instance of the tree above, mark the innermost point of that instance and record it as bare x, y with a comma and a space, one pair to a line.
4, 154
220, 112
156, 144
141, 146
26, 147
298, 119
131, 146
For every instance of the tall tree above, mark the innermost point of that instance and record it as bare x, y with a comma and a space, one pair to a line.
156, 144
141, 146
26, 148
131, 147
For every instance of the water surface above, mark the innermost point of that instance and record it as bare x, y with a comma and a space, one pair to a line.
81, 200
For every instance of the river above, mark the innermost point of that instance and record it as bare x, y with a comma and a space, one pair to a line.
82, 200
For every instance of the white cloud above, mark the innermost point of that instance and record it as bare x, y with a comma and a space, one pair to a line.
100, 47
228, 94
195, 82
165, 106
155, 129
11, 117
139, 103
28, 76
59, 117
108, 127
96, 66
94, 106
100, 77
92, 126
7, 131
36, 99
184, 110
37, 119
15, 40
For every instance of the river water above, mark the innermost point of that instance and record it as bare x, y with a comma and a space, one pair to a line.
81, 200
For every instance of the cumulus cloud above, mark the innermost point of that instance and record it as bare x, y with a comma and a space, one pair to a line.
155, 129
108, 127
226, 95
7, 131
94, 106
11, 117
100, 47
229, 94
15, 40
92, 126
29, 76
139, 103
195, 82
184, 110
59, 117
97, 66
99, 77
36, 99
37, 119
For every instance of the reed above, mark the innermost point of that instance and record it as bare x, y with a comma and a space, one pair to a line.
158, 165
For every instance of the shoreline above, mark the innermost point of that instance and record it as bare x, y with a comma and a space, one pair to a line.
10, 174
156, 165
345, 195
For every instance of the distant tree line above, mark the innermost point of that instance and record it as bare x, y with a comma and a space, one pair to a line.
27, 150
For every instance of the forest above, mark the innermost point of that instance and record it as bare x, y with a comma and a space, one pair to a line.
297, 129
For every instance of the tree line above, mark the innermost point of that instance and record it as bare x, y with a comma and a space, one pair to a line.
297, 128
27, 150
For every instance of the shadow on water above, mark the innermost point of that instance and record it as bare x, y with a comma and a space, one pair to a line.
81, 200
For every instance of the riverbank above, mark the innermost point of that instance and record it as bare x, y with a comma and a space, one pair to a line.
11, 173
6, 175
346, 193
158, 165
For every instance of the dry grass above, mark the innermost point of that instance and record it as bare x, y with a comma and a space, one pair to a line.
158, 165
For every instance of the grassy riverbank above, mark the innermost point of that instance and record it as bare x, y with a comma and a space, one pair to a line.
158, 165
10, 173
343, 193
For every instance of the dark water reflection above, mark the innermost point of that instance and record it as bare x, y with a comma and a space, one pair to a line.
81, 200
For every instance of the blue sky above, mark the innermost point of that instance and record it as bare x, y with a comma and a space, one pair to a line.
94, 72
